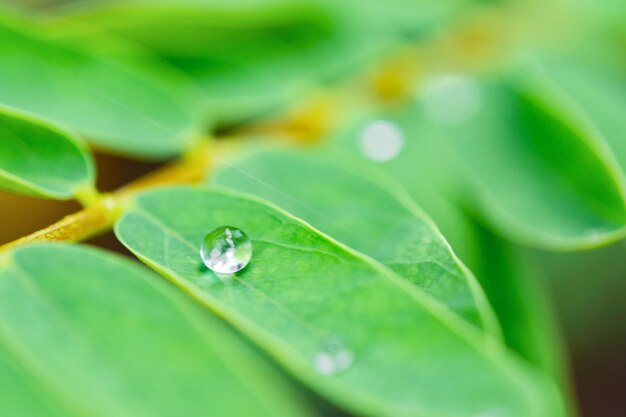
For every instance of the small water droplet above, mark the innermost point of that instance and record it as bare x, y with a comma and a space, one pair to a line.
333, 358
381, 140
226, 250
451, 99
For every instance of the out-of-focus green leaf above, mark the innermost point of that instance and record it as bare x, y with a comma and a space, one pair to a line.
534, 173
520, 301
593, 95
246, 57
250, 57
108, 102
85, 333
420, 167
510, 286
607, 14
347, 326
364, 209
38, 159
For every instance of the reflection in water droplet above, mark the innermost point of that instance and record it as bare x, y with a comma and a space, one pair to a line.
381, 140
333, 358
226, 250
451, 99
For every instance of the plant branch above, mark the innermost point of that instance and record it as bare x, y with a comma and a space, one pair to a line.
386, 84
101, 215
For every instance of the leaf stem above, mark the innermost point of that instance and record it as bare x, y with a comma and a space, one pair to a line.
101, 213
87, 195
386, 85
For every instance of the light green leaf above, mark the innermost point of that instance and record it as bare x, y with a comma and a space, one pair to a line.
41, 160
109, 103
509, 284
369, 212
250, 57
86, 333
536, 175
420, 167
395, 351
245, 57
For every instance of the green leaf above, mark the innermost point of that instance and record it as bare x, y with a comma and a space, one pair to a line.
506, 280
510, 285
250, 57
518, 294
108, 102
369, 212
420, 168
245, 57
533, 173
39, 159
86, 333
402, 353
592, 94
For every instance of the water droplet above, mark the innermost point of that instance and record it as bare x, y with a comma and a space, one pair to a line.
226, 250
381, 140
333, 358
451, 99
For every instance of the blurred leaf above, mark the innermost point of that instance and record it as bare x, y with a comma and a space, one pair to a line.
591, 93
40, 160
510, 285
364, 209
395, 351
420, 167
103, 99
607, 14
86, 333
246, 57
250, 57
521, 302
534, 173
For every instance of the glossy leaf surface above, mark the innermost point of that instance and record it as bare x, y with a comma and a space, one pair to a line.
361, 207
402, 353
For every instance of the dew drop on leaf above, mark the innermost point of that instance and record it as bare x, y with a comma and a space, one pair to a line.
333, 357
226, 250
381, 140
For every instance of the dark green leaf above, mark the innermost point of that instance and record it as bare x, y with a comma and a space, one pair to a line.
516, 290
592, 96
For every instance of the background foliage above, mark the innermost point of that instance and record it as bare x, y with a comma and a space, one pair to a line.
421, 180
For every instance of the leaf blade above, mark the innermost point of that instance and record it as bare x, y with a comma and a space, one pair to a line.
116, 108
103, 337
362, 208
41, 160
294, 315
533, 174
